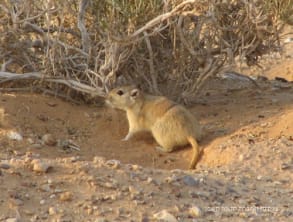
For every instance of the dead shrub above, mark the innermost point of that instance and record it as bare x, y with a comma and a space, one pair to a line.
167, 46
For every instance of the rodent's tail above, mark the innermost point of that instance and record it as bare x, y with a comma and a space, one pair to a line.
196, 152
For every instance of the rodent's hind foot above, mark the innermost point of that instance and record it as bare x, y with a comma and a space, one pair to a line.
162, 149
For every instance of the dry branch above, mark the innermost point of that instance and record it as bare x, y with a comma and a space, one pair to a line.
72, 84
161, 18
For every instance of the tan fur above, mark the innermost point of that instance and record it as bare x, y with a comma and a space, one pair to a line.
170, 124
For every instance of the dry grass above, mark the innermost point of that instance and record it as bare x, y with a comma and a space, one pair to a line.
171, 47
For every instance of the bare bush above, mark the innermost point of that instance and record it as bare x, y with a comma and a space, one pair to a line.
167, 46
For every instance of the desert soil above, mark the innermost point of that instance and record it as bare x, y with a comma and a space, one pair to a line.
66, 162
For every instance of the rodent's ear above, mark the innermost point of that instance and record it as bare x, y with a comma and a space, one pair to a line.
134, 93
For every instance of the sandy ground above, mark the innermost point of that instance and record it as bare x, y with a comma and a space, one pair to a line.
65, 162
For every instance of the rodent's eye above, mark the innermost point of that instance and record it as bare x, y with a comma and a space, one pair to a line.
120, 92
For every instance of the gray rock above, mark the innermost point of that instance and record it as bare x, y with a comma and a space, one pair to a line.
4, 166
45, 188
190, 181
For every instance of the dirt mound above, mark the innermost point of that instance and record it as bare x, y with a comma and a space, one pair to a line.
283, 126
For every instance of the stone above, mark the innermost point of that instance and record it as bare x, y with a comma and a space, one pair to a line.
100, 219
12, 220
241, 157
195, 211
40, 166
133, 190
52, 211
190, 181
49, 139
171, 179
150, 180
42, 202
99, 160
66, 196
165, 216
14, 136
45, 188
113, 164
4, 166
30, 140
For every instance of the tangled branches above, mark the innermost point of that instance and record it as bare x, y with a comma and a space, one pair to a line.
170, 47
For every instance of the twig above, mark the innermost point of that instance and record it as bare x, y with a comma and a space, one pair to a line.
151, 63
161, 18
85, 39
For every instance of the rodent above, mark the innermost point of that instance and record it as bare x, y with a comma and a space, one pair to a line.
171, 124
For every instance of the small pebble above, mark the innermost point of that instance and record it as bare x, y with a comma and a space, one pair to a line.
134, 167
195, 211
66, 196
150, 180
165, 216
113, 164
74, 159
241, 157
49, 140
5, 166
133, 190
52, 196
52, 211
171, 179
45, 188
100, 219
12, 220
40, 166
190, 181
42, 202
30, 140
14, 136
99, 160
